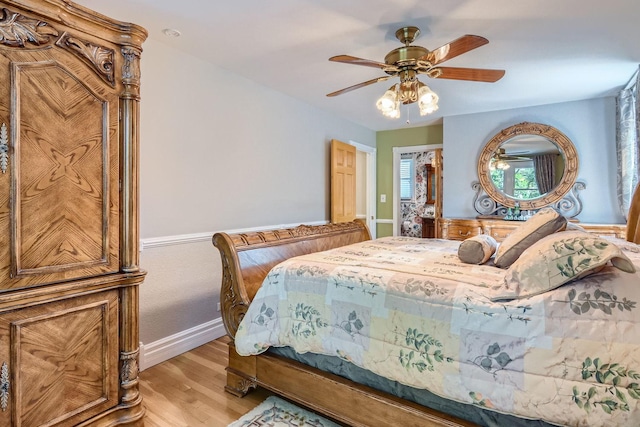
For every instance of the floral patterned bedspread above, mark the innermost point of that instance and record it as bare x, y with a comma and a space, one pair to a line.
409, 310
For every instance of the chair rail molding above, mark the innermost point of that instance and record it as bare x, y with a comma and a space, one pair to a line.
181, 239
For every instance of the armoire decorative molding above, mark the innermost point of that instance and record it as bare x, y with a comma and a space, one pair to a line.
69, 216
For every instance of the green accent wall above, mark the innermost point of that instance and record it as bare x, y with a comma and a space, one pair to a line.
385, 141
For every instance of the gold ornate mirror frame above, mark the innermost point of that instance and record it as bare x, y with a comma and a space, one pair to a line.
565, 146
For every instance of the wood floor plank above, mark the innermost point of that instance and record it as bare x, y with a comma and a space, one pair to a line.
188, 390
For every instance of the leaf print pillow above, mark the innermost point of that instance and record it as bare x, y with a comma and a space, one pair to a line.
558, 259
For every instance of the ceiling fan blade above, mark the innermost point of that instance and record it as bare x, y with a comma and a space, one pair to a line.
473, 74
359, 85
348, 59
457, 47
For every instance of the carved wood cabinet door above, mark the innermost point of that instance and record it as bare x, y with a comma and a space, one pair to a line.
59, 361
59, 154
69, 259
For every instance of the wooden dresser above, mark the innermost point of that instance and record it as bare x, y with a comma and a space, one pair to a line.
461, 228
69, 275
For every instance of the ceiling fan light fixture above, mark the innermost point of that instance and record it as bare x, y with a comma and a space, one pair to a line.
393, 114
498, 163
427, 100
389, 103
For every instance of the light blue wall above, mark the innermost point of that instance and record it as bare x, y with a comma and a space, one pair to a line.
221, 152
590, 125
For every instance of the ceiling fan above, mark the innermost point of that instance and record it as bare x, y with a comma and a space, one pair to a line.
501, 154
408, 61
500, 159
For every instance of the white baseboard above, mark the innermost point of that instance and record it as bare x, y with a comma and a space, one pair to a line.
173, 345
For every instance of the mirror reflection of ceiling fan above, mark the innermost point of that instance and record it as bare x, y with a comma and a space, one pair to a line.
500, 159
501, 154
409, 61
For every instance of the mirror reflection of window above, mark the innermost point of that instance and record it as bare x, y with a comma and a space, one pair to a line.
526, 167
524, 182
497, 177
518, 180
434, 187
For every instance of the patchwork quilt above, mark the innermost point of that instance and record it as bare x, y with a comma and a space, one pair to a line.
409, 310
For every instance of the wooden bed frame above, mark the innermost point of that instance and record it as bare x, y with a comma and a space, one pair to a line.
246, 260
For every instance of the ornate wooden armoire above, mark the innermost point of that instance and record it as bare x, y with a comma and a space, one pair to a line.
69, 275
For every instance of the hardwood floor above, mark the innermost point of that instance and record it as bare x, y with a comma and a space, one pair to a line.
188, 390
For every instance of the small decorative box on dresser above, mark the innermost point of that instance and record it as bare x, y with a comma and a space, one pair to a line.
69, 274
461, 229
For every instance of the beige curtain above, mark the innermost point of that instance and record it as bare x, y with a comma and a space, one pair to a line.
628, 141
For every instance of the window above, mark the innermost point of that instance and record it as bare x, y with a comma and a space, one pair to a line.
519, 180
497, 177
524, 183
407, 179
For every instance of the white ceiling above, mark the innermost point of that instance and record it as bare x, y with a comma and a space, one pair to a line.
552, 50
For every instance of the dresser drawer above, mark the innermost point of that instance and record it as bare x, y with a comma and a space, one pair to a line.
612, 230
499, 233
462, 232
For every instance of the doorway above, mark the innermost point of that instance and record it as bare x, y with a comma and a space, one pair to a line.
411, 206
366, 185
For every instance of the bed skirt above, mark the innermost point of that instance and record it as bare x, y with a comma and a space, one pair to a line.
467, 412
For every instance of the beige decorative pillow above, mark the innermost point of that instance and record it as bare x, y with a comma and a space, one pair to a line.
546, 221
558, 259
477, 249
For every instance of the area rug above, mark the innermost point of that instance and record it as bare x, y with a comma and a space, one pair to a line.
276, 412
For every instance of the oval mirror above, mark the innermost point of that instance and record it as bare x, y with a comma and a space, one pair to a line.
529, 164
